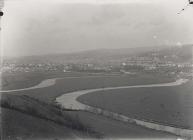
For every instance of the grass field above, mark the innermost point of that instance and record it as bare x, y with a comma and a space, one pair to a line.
37, 101
17, 125
66, 85
25, 118
24, 80
166, 105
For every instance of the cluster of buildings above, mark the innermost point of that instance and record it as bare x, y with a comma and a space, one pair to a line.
13, 68
151, 62
129, 65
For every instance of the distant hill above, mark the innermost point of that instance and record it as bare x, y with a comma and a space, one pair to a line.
173, 53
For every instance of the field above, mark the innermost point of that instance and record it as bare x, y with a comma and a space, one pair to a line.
37, 106
20, 125
66, 85
166, 105
16, 124
24, 80
27, 118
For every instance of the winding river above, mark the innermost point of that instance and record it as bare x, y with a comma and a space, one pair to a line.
69, 101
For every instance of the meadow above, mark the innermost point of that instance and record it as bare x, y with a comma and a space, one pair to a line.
164, 105
27, 79
70, 84
38, 106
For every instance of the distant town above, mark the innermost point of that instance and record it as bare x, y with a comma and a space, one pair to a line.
159, 62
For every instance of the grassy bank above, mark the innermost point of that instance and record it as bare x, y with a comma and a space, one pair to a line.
40, 112
18, 125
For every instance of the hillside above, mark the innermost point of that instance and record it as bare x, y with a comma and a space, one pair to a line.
102, 56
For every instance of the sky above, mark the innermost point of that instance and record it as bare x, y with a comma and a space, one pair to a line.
38, 27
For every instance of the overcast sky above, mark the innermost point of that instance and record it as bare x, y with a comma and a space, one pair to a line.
31, 27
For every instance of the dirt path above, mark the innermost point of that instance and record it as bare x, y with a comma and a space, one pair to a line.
69, 101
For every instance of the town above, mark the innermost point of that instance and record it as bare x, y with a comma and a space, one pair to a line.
152, 63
